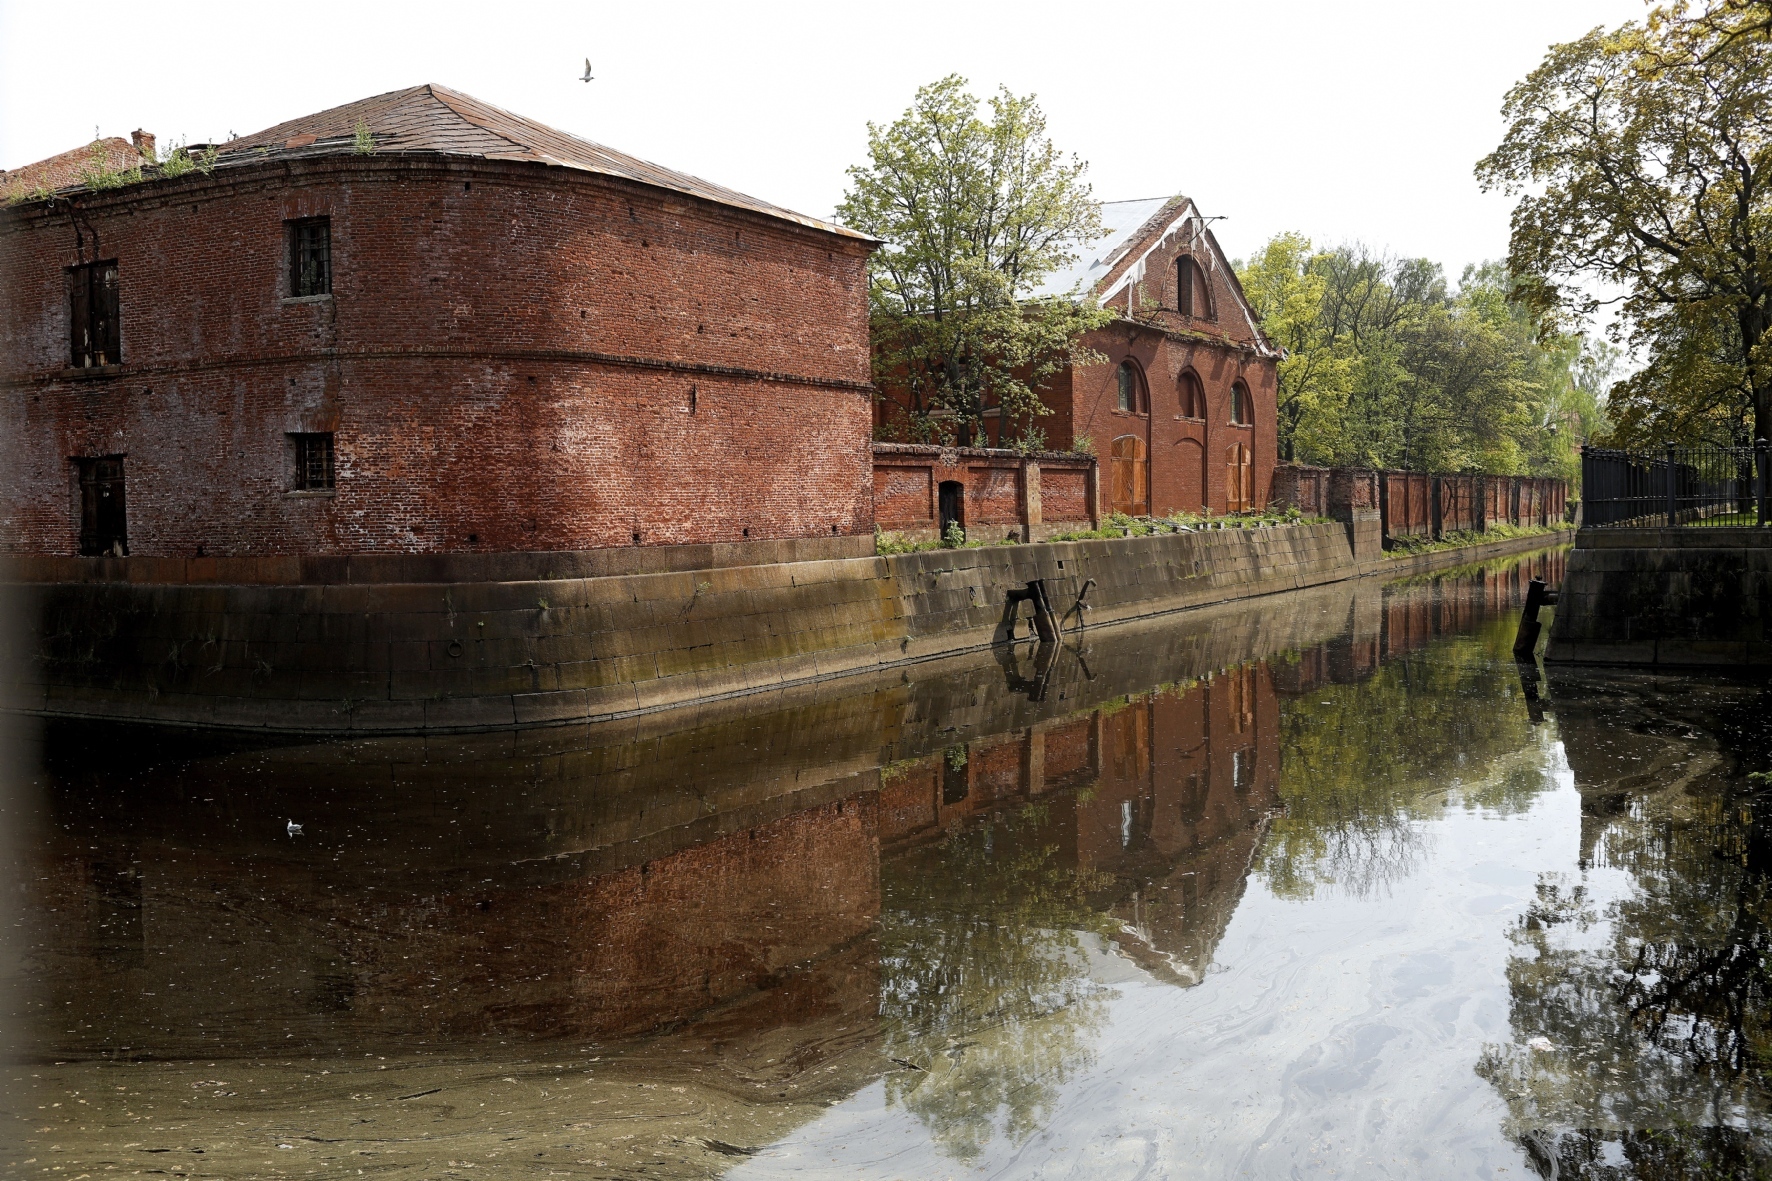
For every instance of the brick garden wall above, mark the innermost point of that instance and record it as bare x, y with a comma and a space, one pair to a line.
513, 358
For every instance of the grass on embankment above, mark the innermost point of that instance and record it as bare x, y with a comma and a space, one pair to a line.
1408, 547
1113, 526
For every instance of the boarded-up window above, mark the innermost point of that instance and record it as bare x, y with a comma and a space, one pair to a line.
310, 256
104, 521
1192, 395
1239, 479
1131, 476
93, 333
313, 462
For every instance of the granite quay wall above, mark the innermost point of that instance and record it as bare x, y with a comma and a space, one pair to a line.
467, 655
995, 494
1666, 597
344, 656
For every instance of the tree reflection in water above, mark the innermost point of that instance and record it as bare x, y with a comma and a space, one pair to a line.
987, 1004
1642, 1019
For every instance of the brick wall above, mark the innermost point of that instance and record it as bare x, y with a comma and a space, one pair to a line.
1005, 493
1417, 504
513, 357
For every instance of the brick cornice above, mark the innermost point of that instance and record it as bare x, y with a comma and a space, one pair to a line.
127, 372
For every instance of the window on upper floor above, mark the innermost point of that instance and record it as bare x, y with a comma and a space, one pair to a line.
1241, 410
1192, 395
1193, 295
1132, 397
94, 337
310, 257
313, 462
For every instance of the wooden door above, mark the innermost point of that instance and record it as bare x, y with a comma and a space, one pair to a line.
1239, 479
1131, 488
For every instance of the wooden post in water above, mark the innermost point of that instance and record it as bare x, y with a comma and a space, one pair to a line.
1526, 641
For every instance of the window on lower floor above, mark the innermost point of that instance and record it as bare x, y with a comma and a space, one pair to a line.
104, 520
313, 462
94, 337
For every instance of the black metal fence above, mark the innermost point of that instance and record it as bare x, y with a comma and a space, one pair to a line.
1683, 486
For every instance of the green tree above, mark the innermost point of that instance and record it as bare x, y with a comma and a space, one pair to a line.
1642, 157
975, 214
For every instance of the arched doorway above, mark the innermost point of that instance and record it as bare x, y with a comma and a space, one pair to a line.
1130, 491
1239, 478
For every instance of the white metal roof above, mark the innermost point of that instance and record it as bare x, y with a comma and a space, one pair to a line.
1121, 219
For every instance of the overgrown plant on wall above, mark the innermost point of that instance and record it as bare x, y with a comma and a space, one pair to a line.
1643, 160
974, 213
1388, 366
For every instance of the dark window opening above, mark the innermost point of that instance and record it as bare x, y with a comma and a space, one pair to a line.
1131, 390
1193, 296
94, 337
313, 462
956, 781
1240, 409
310, 256
1193, 396
104, 524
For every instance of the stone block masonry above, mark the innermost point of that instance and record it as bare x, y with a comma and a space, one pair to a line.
438, 656
1678, 598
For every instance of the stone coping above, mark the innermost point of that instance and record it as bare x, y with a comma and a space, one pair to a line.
1679, 537
348, 569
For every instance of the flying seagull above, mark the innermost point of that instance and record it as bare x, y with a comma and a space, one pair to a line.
587, 76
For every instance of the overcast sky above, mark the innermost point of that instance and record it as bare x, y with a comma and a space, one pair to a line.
1341, 120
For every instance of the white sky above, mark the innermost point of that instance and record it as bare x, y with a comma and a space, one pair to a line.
1341, 120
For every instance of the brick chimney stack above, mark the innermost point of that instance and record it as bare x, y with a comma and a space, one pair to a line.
144, 144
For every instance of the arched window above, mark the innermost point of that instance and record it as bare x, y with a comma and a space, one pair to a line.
1193, 295
1192, 395
1132, 396
1242, 413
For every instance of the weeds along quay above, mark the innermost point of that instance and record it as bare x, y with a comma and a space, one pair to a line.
442, 654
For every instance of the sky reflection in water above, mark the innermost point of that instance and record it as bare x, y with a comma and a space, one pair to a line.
1291, 888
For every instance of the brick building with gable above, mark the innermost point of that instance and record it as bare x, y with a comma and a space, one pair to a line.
1181, 410
420, 325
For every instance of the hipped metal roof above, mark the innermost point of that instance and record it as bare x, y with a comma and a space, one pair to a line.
435, 119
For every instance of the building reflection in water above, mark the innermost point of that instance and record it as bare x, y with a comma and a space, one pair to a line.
921, 879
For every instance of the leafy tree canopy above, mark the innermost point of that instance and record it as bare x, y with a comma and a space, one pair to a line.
1387, 366
1642, 157
975, 213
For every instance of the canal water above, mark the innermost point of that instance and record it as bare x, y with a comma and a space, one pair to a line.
1318, 885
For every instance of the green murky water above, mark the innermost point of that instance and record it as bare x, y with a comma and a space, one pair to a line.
1319, 885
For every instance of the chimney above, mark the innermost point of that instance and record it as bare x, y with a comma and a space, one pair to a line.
144, 144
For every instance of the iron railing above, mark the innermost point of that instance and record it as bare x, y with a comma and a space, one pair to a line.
1675, 486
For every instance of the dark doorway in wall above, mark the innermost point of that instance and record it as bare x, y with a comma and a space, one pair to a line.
956, 780
953, 506
104, 522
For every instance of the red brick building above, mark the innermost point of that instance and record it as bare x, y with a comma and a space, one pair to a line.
420, 324
1181, 410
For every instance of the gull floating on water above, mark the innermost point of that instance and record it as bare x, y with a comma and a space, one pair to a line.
294, 829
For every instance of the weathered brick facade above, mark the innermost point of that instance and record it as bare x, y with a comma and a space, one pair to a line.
1186, 439
516, 353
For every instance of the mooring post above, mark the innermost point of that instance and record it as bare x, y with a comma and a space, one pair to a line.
1673, 488
1526, 641
1760, 478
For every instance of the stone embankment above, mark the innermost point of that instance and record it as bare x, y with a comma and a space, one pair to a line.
432, 654
1678, 598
